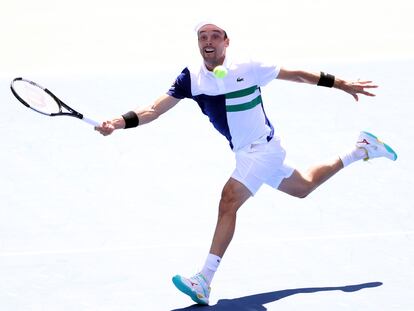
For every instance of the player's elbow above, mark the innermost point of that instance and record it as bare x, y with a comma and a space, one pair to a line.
151, 114
156, 114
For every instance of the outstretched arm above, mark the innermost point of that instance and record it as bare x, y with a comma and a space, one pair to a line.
351, 87
145, 115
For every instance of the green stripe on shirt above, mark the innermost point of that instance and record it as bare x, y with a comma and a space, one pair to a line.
245, 106
241, 93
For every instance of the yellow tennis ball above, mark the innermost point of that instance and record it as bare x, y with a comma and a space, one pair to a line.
220, 72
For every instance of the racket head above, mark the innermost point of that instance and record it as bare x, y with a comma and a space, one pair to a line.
35, 97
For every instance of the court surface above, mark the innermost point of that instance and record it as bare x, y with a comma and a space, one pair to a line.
94, 223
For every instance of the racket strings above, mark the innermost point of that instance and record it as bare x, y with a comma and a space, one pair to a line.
36, 97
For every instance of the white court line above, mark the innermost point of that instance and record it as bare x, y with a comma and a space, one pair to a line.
350, 236
132, 249
404, 234
81, 251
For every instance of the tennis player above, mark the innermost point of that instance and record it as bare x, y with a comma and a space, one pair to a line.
234, 106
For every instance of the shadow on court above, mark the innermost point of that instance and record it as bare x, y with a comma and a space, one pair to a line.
256, 302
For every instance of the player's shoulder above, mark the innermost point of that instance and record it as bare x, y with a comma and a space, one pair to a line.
248, 62
242, 65
189, 70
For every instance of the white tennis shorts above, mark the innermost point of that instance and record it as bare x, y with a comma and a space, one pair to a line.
261, 163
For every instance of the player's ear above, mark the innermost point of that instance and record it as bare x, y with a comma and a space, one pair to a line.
227, 42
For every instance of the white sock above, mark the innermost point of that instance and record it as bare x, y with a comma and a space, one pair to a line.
210, 267
355, 155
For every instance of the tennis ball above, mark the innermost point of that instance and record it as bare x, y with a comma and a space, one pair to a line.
220, 72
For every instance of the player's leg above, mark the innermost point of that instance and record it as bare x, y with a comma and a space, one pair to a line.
368, 146
302, 184
233, 196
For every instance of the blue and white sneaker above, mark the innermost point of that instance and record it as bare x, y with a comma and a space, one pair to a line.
374, 148
196, 287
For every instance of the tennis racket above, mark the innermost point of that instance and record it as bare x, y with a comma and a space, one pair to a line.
43, 101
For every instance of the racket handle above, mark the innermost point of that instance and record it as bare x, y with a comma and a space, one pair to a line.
90, 121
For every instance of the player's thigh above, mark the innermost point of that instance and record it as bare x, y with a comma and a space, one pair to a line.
296, 185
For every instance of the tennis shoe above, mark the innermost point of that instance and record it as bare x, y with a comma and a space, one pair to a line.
374, 148
196, 287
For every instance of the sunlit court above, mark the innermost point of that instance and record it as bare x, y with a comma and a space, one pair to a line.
89, 222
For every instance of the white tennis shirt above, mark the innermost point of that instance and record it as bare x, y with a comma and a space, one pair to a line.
233, 104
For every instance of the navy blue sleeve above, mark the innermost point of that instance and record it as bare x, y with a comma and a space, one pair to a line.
181, 87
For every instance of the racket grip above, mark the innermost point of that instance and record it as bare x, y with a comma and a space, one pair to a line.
91, 122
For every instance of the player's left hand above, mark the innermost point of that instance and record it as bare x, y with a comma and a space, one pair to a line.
357, 87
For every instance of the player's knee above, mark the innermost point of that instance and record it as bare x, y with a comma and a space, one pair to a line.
302, 194
229, 202
303, 191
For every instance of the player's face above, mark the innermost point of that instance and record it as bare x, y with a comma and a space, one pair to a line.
212, 43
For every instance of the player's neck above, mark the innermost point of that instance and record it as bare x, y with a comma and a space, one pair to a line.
211, 64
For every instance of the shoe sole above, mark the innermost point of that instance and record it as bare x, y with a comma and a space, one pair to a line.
387, 147
186, 290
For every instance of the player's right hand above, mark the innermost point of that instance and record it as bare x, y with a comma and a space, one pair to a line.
106, 128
